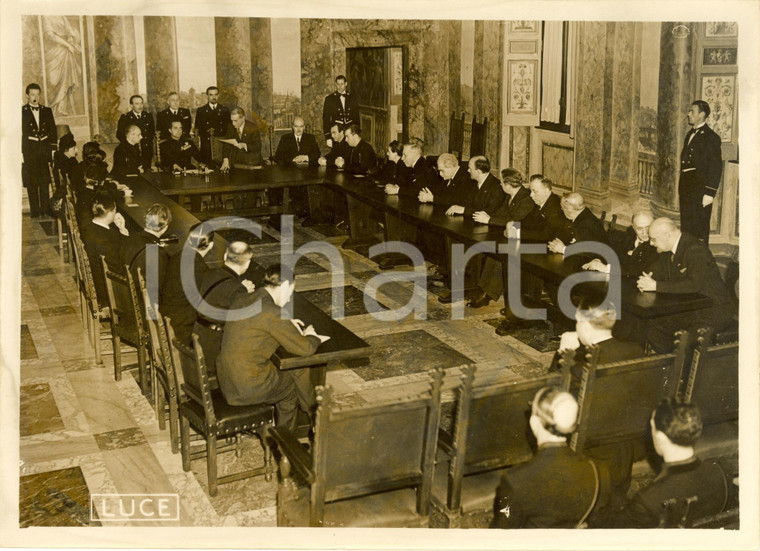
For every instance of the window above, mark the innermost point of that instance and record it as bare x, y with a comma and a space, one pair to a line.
557, 76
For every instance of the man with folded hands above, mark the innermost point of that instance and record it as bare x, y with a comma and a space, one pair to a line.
178, 151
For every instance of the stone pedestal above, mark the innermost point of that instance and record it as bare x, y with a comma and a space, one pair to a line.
161, 70
674, 99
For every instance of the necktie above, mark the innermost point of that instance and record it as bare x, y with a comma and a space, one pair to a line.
36, 108
174, 112
298, 144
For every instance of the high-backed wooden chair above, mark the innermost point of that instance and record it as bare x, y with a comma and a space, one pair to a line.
210, 414
712, 382
370, 465
617, 399
126, 322
456, 135
490, 432
478, 137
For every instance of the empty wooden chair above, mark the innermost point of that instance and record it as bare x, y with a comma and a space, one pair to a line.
210, 414
456, 135
369, 465
490, 432
478, 137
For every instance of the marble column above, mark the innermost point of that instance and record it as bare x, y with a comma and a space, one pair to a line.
487, 80
116, 71
261, 69
31, 61
626, 104
233, 62
317, 79
454, 31
673, 101
436, 89
593, 110
161, 70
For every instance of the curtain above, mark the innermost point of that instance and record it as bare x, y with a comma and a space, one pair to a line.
551, 71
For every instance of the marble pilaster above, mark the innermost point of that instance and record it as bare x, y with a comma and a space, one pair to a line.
116, 69
31, 61
487, 79
436, 90
454, 29
592, 144
626, 91
262, 88
233, 62
316, 71
161, 70
673, 101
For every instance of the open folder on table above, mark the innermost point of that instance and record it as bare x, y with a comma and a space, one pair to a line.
301, 326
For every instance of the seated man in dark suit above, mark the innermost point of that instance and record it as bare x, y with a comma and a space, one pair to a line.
488, 195
635, 253
457, 186
297, 147
394, 170
127, 159
241, 143
134, 253
173, 112
516, 206
361, 158
218, 289
340, 149
545, 222
695, 488
178, 151
558, 488
245, 369
422, 175
584, 226
105, 236
685, 265
173, 301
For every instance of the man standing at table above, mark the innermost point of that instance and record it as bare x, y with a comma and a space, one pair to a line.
246, 148
685, 266
178, 151
38, 134
340, 107
211, 117
173, 112
144, 121
701, 168
297, 147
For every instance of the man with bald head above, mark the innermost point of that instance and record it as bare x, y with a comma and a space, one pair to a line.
634, 251
297, 147
584, 226
127, 159
685, 266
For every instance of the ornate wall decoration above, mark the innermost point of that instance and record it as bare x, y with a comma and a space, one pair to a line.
523, 27
522, 87
715, 29
720, 92
719, 56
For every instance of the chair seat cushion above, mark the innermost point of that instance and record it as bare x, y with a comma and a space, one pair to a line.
232, 418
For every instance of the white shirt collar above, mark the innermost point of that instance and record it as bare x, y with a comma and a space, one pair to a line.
101, 224
697, 127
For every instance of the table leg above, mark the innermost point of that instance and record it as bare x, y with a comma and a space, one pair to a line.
361, 226
320, 206
396, 230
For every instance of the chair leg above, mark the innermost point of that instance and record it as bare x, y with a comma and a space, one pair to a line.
173, 421
142, 368
60, 239
184, 427
160, 410
267, 457
96, 336
116, 356
211, 464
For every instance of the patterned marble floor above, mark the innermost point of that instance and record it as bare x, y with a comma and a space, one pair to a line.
84, 433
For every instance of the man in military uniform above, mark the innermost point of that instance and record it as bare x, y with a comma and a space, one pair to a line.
340, 107
701, 169
211, 117
144, 121
178, 151
172, 113
38, 134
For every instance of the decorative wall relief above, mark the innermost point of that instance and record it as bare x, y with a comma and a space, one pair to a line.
714, 29
522, 84
524, 27
720, 92
522, 45
63, 60
719, 56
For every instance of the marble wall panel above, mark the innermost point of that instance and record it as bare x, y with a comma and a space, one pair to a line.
489, 67
317, 79
233, 61
436, 90
557, 164
31, 61
261, 67
520, 141
454, 31
160, 61
116, 70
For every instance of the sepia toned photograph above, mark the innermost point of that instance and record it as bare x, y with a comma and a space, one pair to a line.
315, 276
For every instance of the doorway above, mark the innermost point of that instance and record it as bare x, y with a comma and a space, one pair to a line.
377, 77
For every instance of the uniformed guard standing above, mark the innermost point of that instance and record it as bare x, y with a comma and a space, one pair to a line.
340, 107
38, 134
143, 120
701, 169
211, 117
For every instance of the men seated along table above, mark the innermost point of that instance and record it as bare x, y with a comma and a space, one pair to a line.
457, 186
361, 158
394, 170
684, 482
558, 488
178, 151
544, 223
219, 287
241, 143
488, 196
340, 149
297, 147
685, 265
422, 175
173, 300
584, 226
634, 251
127, 158
105, 235
516, 206
133, 252
245, 371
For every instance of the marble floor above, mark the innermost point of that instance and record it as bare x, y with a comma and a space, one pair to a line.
83, 433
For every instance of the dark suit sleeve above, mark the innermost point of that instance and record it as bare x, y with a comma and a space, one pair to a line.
282, 156
697, 261
311, 149
150, 127
121, 128
635, 514
291, 339
714, 166
506, 510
